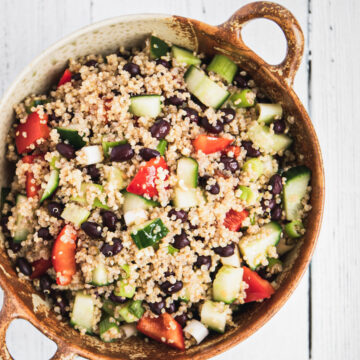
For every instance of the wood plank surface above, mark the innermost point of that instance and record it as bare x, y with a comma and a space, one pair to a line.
28, 27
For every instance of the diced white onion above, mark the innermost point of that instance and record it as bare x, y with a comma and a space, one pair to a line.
197, 330
135, 216
89, 155
129, 329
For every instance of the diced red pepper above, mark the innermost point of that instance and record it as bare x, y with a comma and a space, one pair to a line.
40, 267
144, 181
63, 255
32, 188
234, 219
233, 149
65, 78
209, 144
33, 129
164, 329
259, 288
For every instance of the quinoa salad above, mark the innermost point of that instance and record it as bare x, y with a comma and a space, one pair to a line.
156, 192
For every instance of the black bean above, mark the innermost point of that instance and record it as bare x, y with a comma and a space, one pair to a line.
181, 240
250, 151
225, 251
24, 266
53, 117
192, 114
160, 129
115, 92
66, 150
191, 226
123, 226
199, 238
157, 307
240, 81
229, 115
122, 153
92, 229
174, 100
230, 163
76, 77
45, 283
182, 319
44, 233
109, 219
55, 209
276, 213
91, 63
94, 172
268, 203
168, 288
166, 64
214, 189
132, 68
196, 101
179, 214
203, 260
212, 128
117, 299
172, 308
111, 250
169, 273
202, 180
4, 221
147, 153
14, 246
276, 184
279, 126
61, 301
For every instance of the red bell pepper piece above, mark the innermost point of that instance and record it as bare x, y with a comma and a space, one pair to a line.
259, 288
40, 267
33, 129
144, 181
164, 329
32, 188
234, 149
66, 77
234, 219
209, 144
63, 255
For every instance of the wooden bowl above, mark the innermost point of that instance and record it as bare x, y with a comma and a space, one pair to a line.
22, 301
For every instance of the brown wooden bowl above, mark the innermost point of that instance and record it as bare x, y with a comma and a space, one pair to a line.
21, 299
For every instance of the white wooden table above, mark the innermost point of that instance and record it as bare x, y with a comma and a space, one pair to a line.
322, 318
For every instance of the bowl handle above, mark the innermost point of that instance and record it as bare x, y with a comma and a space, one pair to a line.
288, 24
11, 311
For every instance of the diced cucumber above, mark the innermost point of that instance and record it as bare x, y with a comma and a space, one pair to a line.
213, 315
126, 314
294, 229
243, 99
268, 142
158, 47
273, 263
297, 181
52, 185
197, 330
108, 330
89, 187
207, 91
75, 214
187, 172
108, 145
35, 103
248, 195
185, 198
83, 313
100, 276
135, 202
223, 66
22, 227
254, 248
233, 260
227, 284
172, 250
136, 308
161, 148
72, 136
270, 166
268, 112
110, 308
149, 233
115, 177
98, 204
183, 56
90, 155
254, 167
124, 289
127, 270
145, 105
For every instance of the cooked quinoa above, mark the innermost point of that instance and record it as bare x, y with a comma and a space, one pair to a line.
238, 223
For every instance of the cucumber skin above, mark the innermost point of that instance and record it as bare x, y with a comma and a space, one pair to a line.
195, 171
231, 67
177, 52
72, 136
296, 171
145, 236
161, 49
